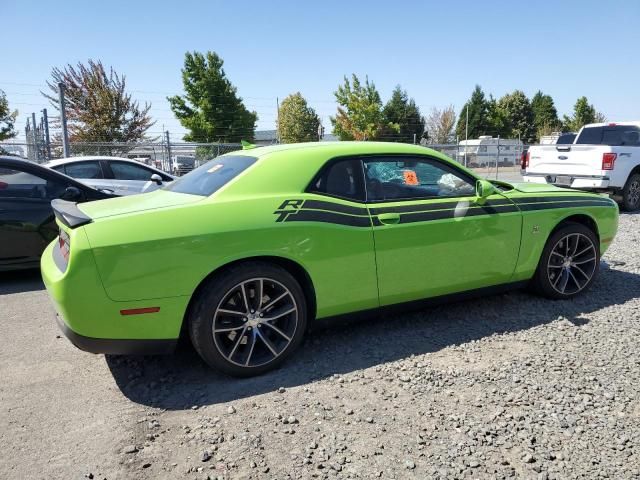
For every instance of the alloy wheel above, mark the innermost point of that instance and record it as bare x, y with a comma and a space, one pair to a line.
255, 322
572, 263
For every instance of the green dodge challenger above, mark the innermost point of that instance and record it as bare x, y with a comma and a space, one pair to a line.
243, 253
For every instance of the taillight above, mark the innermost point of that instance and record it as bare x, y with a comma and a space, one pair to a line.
3, 185
608, 160
524, 160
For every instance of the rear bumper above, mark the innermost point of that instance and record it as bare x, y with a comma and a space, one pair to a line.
582, 182
95, 323
116, 346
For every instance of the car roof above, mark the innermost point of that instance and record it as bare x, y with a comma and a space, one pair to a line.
62, 161
340, 148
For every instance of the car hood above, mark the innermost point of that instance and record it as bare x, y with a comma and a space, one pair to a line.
136, 203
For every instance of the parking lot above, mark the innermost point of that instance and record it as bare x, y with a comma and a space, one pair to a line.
499, 387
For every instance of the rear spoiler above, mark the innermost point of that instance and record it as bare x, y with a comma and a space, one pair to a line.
69, 213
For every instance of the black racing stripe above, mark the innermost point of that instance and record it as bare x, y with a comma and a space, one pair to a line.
557, 205
328, 217
559, 198
334, 207
434, 206
413, 217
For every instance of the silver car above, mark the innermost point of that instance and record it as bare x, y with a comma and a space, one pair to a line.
120, 175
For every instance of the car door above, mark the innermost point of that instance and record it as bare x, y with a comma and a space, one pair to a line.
89, 172
26, 219
132, 178
336, 227
432, 235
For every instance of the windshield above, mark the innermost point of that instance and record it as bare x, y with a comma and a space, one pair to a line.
211, 176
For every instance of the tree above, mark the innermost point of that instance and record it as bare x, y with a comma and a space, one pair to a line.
402, 111
297, 122
7, 118
498, 122
519, 114
97, 106
440, 125
359, 115
545, 115
211, 109
583, 113
478, 120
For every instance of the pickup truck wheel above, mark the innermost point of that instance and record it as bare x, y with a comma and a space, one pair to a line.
569, 262
248, 319
631, 193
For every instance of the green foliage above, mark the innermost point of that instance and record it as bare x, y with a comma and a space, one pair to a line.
498, 121
359, 115
477, 107
7, 118
583, 113
402, 111
211, 109
545, 115
297, 122
518, 113
97, 105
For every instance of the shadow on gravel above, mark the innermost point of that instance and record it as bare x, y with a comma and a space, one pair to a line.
20, 281
182, 380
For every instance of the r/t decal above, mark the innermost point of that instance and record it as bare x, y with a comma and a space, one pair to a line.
288, 207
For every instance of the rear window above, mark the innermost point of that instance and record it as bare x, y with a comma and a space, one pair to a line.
211, 176
613, 135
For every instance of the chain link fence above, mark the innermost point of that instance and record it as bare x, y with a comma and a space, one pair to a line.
488, 157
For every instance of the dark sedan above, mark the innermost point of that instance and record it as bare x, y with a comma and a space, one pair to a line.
27, 223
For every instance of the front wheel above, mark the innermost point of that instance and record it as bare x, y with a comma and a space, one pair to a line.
631, 193
569, 262
248, 319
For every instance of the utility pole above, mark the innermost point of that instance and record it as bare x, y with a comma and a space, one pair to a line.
414, 138
66, 151
466, 136
166, 135
35, 137
46, 133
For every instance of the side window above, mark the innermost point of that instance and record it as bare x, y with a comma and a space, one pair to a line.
18, 184
84, 170
342, 179
412, 179
129, 171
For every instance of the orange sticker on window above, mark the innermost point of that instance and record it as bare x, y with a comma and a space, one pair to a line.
410, 177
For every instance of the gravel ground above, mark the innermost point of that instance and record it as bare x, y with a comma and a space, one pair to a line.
510, 386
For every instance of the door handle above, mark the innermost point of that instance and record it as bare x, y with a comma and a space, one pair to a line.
389, 218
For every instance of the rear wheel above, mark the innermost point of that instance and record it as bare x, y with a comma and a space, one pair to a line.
631, 193
569, 262
248, 319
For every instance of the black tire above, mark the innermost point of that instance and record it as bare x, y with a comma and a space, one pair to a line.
564, 263
248, 337
631, 193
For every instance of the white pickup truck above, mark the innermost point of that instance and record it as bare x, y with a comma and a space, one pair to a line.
604, 157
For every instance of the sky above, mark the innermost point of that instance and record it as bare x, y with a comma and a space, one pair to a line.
437, 51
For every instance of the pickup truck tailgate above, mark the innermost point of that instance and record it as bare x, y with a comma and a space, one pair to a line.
575, 160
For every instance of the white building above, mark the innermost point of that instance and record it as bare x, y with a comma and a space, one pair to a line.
486, 151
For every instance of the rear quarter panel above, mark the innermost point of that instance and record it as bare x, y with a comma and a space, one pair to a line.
168, 252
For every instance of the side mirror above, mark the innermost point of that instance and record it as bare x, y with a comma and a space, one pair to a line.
484, 188
72, 194
156, 178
